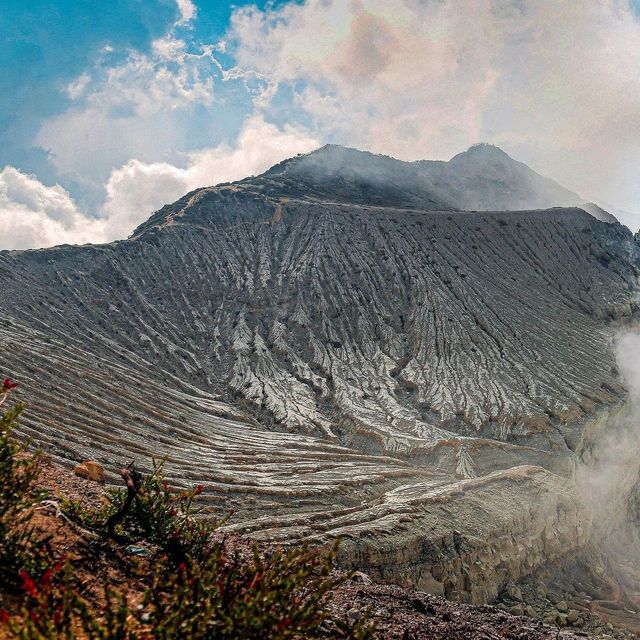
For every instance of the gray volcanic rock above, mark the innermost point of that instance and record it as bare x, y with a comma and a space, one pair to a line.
339, 362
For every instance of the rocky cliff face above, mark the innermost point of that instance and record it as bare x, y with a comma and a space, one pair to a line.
335, 355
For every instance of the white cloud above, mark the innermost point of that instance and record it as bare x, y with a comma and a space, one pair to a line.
77, 86
556, 84
137, 189
34, 215
141, 108
187, 11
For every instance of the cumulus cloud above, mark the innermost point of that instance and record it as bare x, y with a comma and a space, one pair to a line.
187, 11
34, 215
556, 84
77, 86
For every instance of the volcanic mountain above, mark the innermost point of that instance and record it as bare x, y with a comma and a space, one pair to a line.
346, 345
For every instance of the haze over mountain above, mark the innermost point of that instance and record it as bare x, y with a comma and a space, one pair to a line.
335, 347
482, 178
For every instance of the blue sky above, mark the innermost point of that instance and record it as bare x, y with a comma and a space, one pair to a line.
109, 110
48, 43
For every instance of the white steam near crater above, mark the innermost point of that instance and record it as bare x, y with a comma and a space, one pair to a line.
609, 480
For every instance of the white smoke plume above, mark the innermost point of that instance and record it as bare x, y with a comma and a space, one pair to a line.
609, 478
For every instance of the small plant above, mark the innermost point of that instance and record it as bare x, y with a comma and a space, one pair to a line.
48, 607
151, 510
166, 517
53, 609
20, 548
280, 597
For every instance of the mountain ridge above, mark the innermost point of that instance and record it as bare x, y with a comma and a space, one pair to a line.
483, 178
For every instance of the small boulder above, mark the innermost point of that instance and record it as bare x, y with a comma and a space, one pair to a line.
514, 593
362, 578
573, 616
135, 550
90, 470
517, 610
81, 471
562, 606
354, 614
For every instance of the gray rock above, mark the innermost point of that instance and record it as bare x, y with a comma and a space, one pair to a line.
354, 614
541, 593
513, 592
361, 577
573, 616
561, 620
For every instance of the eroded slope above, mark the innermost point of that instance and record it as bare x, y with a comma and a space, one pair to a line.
337, 369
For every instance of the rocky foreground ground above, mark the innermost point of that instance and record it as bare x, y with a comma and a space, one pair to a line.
535, 610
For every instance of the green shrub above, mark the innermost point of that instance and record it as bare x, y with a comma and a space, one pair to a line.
159, 514
20, 548
53, 609
48, 606
281, 597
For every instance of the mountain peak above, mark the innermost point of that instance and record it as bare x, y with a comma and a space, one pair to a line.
330, 159
483, 151
343, 174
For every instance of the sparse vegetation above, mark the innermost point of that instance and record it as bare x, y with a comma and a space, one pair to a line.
198, 588
20, 549
157, 514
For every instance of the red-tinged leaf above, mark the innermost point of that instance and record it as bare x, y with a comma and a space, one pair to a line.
256, 581
45, 580
28, 585
8, 384
285, 623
